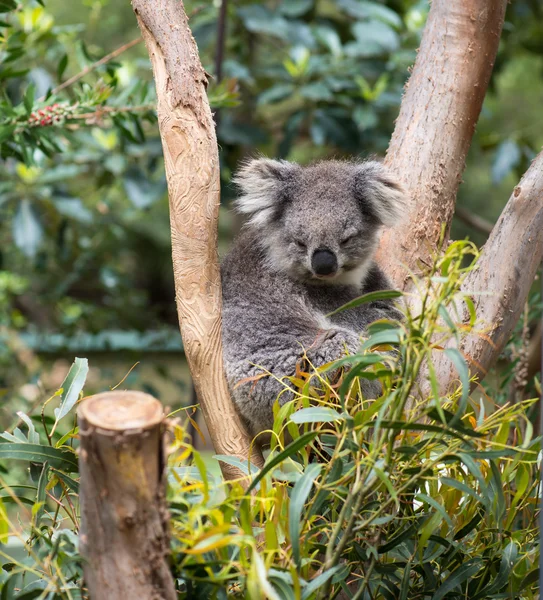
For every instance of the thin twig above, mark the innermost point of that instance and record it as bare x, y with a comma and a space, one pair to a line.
111, 110
221, 30
105, 59
473, 220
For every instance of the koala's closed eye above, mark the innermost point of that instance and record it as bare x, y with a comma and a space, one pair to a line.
349, 238
300, 244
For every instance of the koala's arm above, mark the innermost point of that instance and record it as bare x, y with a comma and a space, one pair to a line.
271, 335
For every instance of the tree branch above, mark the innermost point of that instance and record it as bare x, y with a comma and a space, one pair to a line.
192, 170
506, 270
473, 220
440, 108
105, 59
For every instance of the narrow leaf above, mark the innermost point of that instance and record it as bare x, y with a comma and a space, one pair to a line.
65, 460
71, 388
297, 501
367, 298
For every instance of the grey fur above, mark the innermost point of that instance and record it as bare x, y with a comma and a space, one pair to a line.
274, 306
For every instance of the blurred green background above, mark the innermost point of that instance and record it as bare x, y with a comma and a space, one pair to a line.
85, 265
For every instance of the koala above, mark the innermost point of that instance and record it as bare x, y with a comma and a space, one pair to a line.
306, 248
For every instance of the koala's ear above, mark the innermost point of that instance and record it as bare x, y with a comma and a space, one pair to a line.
263, 183
380, 193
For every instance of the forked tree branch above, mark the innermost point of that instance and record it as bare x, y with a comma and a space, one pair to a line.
433, 133
506, 270
192, 171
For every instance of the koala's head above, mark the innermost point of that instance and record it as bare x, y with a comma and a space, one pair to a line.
320, 223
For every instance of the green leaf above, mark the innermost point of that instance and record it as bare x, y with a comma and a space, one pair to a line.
62, 459
4, 523
507, 565
365, 117
276, 93
373, 38
316, 414
40, 493
243, 465
29, 97
354, 360
458, 577
297, 501
404, 586
367, 298
385, 337
295, 8
259, 19
398, 539
63, 63
470, 525
319, 581
462, 367
329, 37
6, 131
7, 5
141, 191
361, 9
497, 485
474, 469
289, 451
72, 484
27, 229
71, 388
435, 504
531, 578
459, 485
317, 91
402, 425
35, 589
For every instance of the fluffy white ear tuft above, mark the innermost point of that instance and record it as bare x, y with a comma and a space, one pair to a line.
377, 187
262, 182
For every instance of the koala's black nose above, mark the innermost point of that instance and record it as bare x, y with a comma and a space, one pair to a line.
324, 262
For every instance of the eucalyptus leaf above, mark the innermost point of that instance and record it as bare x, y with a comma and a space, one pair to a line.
298, 499
71, 388
62, 459
27, 229
316, 414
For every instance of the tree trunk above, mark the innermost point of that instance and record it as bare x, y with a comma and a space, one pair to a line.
124, 520
192, 170
433, 133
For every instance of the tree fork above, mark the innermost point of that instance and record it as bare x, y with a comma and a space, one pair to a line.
192, 171
504, 275
124, 521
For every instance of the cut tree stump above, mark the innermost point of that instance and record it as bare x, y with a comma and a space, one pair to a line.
124, 520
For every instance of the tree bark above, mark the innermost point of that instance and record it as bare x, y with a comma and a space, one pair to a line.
506, 270
124, 520
433, 133
192, 170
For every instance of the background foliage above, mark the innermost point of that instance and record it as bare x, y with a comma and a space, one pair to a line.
403, 497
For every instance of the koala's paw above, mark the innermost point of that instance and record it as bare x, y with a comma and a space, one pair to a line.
333, 344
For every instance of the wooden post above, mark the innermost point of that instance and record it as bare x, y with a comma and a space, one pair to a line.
124, 520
